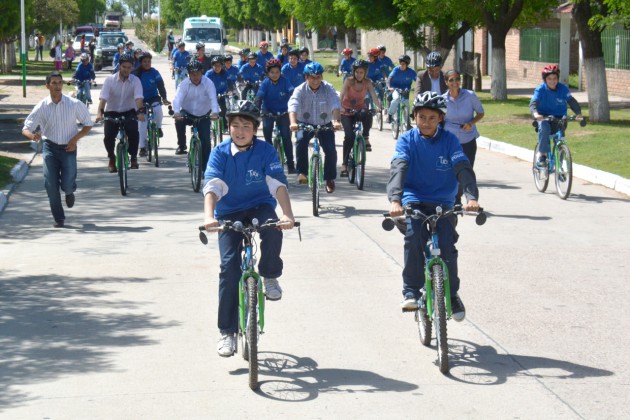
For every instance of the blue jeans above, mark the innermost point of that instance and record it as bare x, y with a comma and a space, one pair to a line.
86, 88
327, 144
231, 249
285, 133
545, 129
415, 240
60, 170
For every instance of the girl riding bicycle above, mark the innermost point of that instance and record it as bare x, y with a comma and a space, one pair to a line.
353, 97
244, 181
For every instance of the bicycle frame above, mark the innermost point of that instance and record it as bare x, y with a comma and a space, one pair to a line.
317, 153
249, 271
432, 248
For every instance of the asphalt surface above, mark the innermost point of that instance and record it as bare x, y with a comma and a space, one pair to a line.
114, 316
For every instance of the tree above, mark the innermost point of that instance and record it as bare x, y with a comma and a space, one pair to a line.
48, 13
591, 38
618, 14
89, 9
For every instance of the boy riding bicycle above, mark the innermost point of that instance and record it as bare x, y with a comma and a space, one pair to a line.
425, 171
244, 180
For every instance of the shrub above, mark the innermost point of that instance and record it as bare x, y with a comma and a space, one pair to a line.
148, 32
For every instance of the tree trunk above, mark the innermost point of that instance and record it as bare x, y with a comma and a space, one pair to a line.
498, 88
352, 40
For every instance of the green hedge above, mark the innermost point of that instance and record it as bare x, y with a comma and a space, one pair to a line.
147, 31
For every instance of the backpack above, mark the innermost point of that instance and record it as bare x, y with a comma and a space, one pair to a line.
52, 52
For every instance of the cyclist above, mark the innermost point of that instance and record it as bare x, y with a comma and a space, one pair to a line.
375, 71
115, 61
197, 97
231, 70
122, 93
386, 62
425, 170
294, 70
129, 47
304, 56
264, 54
273, 95
180, 61
432, 80
400, 78
244, 181
309, 101
170, 41
251, 73
136, 58
283, 55
550, 98
353, 96
222, 83
201, 57
154, 92
85, 72
345, 67
243, 57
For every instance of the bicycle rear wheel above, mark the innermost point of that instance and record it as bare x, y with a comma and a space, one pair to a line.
564, 171
359, 163
315, 181
195, 173
439, 319
252, 331
541, 184
424, 323
121, 163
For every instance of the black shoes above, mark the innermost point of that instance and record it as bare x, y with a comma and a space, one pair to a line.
70, 200
58, 224
181, 151
458, 311
143, 152
160, 132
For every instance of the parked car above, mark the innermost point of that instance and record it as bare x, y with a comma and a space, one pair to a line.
77, 41
106, 47
86, 29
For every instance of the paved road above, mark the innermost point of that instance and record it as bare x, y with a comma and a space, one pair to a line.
114, 316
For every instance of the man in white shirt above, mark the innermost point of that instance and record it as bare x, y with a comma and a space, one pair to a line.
196, 97
56, 117
122, 93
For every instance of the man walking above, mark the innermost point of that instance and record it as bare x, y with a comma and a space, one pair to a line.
57, 117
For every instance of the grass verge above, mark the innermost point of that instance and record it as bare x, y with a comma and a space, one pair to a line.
6, 164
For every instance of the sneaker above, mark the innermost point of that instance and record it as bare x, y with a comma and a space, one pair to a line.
226, 345
542, 161
143, 152
160, 132
112, 166
134, 163
368, 146
181, 151
70, 200
272, 288
458, 311
389, 118
58, 224
409, 303
302, 179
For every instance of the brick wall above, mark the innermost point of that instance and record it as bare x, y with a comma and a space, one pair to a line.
617, 81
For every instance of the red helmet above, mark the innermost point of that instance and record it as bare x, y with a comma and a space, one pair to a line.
263, 44
347, 51
550, 69
374, 52
273, 63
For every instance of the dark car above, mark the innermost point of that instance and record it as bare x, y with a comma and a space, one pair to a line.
86, 29
106, 47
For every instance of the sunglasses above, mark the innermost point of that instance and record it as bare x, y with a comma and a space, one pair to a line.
455, 79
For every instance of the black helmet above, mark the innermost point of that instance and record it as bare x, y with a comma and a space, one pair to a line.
404, 58
284, 45
434, 59
244, 51
126, 58
181, 44
430, 100
252, 55
295, 53
216, 59
200, 45
360, 64
245, 108
227, 57
382, 48
304, 50
194, 65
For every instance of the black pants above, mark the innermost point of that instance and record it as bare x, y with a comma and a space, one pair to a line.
470, 150
347, 121
131, 129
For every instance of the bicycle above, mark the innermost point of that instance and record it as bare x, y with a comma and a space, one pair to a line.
180, 75
80, 87
217, 130
357, 157
380, 86
400, 121
252, 88
251, 299
153, 137
434, 306
278, 143
315, 165
122, 152
193, 160
559, 161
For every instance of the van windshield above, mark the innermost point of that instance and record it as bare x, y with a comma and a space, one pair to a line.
202, 35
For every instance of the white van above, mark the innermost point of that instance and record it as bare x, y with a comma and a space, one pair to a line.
208, 30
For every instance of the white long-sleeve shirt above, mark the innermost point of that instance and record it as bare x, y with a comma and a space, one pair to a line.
58, 121
196, 100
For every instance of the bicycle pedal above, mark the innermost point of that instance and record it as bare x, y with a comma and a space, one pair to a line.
409, 310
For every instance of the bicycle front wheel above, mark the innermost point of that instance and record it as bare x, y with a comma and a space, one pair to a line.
379, 120
352, 169
315, 182
395, 127
405, 118
359, 162
195, 173
439, 319
541, 182
252, 331
564, 171
121, 163
279, 146
156, 144
150, 140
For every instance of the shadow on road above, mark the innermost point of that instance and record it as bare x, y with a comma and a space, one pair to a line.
55, 326
593, 199
517, 216
299, 379
482, 365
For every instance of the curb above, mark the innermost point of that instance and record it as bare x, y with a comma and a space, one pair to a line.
595, 176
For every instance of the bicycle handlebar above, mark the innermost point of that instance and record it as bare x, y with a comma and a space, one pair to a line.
552, 118
238, 226
390, 221
315, 128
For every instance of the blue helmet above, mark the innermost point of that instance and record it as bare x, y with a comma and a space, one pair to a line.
313, 68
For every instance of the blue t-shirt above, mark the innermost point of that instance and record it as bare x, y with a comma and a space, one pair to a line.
386, 63
430, 175
149, 80
284, 59
232, 73
346, 64
263, 58
374, 72
295, 75
401, 79
220, 80
180, 59
552, 102
245, 174
84, 72
275, 96
252, 73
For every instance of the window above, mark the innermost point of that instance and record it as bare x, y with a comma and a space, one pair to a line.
202, 35
541, 45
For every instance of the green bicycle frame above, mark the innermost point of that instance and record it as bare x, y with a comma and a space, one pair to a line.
320, 181
428, 285
242, 299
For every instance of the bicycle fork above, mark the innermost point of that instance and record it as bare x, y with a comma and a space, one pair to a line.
433, 250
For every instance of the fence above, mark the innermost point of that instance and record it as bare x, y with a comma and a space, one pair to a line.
616, 46
540, 44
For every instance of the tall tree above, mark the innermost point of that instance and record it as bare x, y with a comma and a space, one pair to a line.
47, 14
618, 14
89, 9
591, 38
